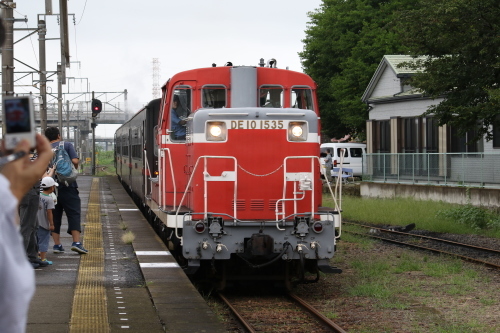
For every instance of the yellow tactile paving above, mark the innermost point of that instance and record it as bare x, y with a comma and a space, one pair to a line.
89, 313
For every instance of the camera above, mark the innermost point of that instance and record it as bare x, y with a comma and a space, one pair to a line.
18, 121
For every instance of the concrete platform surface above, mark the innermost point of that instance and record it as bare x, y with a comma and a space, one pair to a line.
118, 286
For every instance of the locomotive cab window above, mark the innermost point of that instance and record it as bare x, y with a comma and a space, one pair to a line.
271, 96
302, 98
213, 96
180, 111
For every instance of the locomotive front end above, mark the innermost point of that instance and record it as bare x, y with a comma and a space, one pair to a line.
255, 193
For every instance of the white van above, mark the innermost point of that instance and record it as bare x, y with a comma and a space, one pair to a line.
353, 155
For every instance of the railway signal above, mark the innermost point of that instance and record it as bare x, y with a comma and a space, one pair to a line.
96, 107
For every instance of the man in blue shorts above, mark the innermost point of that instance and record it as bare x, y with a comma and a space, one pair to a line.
68, 200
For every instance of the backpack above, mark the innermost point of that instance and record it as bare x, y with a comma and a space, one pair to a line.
65, 169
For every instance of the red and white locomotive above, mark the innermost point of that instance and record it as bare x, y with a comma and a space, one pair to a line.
225, 166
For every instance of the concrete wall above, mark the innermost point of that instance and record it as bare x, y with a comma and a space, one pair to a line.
460, 195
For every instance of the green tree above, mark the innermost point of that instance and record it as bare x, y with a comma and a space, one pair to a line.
345, 41
461, 42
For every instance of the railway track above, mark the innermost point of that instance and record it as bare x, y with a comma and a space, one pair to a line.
278, 313
469, 252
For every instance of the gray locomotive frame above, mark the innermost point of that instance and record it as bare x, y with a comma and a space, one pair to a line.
297, 238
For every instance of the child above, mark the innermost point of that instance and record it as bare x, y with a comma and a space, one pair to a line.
45, 222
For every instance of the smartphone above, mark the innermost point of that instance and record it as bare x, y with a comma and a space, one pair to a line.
18, 121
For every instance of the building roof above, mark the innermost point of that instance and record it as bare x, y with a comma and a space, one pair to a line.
392, 62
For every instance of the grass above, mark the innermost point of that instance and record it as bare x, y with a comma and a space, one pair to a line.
400, 282
128, 237
427, 215
105, 159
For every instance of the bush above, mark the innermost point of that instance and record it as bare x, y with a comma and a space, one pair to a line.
474, 217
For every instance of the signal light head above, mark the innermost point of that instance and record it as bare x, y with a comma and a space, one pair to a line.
96, 107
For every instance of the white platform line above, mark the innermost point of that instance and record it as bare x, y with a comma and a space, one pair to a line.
158, 264
152, 253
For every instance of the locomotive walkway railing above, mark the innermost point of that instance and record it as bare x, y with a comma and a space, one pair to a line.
449, 169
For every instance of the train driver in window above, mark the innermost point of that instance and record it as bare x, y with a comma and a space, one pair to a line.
270, 98
179, 116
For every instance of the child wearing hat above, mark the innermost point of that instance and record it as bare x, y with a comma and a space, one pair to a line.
45, 221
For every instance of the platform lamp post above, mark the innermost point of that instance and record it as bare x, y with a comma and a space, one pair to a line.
96, 109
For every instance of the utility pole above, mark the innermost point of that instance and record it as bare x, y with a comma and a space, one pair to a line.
93, 125
59, 98
67, 121
8, 48
43, 74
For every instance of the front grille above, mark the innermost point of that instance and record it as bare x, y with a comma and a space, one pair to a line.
257, 204
240, 205
272, 205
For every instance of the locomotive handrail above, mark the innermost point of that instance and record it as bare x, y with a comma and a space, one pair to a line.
285, 180
205, 172
338, 185
162, 183
312, 197
145, 176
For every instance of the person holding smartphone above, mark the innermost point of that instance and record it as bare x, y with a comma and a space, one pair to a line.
17, 279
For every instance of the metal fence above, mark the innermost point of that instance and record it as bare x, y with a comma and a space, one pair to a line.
452, 169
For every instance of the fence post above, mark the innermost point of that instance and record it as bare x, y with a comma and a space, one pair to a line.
463, 168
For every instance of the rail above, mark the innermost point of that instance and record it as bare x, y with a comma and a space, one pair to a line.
448, 169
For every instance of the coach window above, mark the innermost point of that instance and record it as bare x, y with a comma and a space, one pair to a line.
271, 96
302, 98
213, 96
180, 111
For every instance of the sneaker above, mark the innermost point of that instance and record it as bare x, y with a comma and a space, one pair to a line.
40, 263
58, 249
34, 264
78, 247
47, 261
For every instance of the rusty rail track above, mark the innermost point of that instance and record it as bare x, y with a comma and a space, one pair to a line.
428, 238
246, 323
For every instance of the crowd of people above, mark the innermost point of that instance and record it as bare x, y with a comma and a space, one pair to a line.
28, 217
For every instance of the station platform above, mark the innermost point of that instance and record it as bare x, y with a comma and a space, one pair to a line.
121, 285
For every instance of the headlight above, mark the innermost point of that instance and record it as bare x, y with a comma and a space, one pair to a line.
216, 131
297, 131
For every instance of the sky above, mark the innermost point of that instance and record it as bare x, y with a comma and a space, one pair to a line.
113, 42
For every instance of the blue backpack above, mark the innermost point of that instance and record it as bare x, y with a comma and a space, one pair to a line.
65, 169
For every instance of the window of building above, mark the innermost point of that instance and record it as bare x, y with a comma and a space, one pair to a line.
302, 98
463, 143
271, 96
410, 135
180, 111
213, 96
496, 133
431, 135
382, 136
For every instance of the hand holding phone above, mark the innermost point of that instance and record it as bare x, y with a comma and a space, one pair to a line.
18, 121
21, 172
